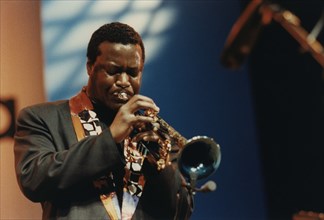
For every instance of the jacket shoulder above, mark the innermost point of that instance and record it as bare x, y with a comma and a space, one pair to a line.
46, 106
46, 110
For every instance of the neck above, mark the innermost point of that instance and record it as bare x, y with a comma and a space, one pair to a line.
104, 114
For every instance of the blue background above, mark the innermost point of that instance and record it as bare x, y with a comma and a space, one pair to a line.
199, 96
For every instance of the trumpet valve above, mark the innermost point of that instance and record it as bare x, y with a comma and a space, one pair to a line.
151, 113
160, 164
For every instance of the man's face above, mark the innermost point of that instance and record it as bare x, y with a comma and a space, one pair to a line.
117, 70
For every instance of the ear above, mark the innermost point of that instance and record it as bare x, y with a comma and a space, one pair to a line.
89, 67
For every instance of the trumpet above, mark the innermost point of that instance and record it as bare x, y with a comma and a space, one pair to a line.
197, 157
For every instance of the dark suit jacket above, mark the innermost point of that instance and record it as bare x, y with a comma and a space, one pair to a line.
53, 168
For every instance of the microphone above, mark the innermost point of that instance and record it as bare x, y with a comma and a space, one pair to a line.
209, 186
243, 34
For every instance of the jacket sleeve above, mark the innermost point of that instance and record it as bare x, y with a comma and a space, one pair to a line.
49, 165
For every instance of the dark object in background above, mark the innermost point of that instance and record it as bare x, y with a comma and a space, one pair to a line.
256, 15
286, 69
287, 87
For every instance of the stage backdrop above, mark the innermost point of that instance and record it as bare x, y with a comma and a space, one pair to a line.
183, 74
197, 96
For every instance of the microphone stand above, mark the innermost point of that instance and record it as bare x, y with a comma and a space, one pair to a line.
193, 181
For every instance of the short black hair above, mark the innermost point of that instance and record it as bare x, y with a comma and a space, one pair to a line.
114, 32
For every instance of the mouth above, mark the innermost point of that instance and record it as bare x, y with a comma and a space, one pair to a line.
121, 96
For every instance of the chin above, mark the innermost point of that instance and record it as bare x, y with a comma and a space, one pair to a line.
115, 106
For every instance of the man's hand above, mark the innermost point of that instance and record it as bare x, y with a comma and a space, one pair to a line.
126, 119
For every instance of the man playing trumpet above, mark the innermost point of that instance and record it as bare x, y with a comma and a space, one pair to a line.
76, 157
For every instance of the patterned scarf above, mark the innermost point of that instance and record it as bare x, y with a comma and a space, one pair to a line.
86, 124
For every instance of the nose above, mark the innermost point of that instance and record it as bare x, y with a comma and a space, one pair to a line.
122, 80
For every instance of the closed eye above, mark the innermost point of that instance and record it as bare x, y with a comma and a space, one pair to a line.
133, 72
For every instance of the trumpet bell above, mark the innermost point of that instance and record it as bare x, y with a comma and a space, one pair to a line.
200, 156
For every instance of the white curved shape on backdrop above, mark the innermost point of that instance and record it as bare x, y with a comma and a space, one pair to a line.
67, 28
